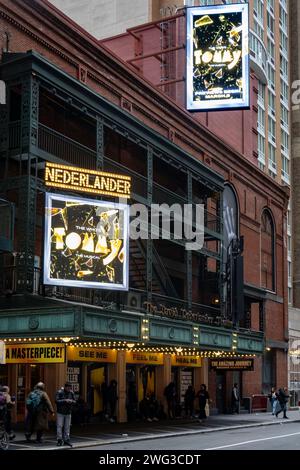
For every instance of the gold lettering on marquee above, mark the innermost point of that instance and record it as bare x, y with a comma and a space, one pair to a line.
218, 57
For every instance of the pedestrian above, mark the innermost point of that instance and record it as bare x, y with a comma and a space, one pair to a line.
154, 407
81, 411
112, 395
3, 409
64, 400
283, 398
273, 400
189, 398
104, 392
170, 394
144, 408
235, 399
203, 397
38, 406
10, 403
132, 402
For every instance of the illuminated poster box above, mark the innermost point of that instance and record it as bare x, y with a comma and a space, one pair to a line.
217, 75
86, 243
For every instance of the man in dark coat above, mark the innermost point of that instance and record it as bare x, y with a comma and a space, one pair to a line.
235, 399
283, 398
112, 395
64, 400
37, 417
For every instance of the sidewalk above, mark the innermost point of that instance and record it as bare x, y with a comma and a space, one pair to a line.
96, 434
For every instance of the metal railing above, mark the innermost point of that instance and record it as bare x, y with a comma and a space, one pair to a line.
70, 151
65, 148
14, 140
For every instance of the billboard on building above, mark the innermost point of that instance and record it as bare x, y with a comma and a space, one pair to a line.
86, 243
217, 76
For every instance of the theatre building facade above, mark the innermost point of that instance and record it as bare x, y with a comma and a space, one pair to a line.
83, 138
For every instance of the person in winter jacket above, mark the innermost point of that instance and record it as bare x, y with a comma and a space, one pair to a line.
37, 415
64, 400
283, 398
10, 403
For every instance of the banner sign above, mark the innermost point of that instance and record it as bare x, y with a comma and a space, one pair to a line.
92, 354
74, 378
144, 358
218, 57
86, 243
90, 181
186, 361
35, 353
232, 364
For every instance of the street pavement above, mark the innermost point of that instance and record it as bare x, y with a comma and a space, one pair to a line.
284, 437
257, 431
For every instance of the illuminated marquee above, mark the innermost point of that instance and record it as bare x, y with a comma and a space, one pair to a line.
232, 364
217, 57
91, 354
186, 361
86, 243
90, 181
144, 358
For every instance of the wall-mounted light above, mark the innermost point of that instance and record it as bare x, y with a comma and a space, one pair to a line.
66, 339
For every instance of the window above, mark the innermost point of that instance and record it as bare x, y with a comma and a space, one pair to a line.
283, 19
272, 160
285, 142
270, 23
284, 67
271, 49
271, 106
261, 149
283, 42
284, 91
284, 117
271, 76
261, 120
267, 252
285, 170
272, 130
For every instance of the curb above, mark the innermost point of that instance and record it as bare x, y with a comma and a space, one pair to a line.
171, 434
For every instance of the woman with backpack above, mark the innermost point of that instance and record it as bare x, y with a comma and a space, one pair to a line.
10, 403
38, 406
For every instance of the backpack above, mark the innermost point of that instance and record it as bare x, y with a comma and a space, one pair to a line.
33, 400
2, 401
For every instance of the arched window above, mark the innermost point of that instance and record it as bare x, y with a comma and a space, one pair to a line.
267, 246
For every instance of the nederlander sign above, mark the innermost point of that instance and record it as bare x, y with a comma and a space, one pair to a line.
90, 181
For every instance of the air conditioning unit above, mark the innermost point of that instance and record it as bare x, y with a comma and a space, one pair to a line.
134, 301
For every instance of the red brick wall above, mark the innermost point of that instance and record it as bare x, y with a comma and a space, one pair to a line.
252, 379
235, 128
